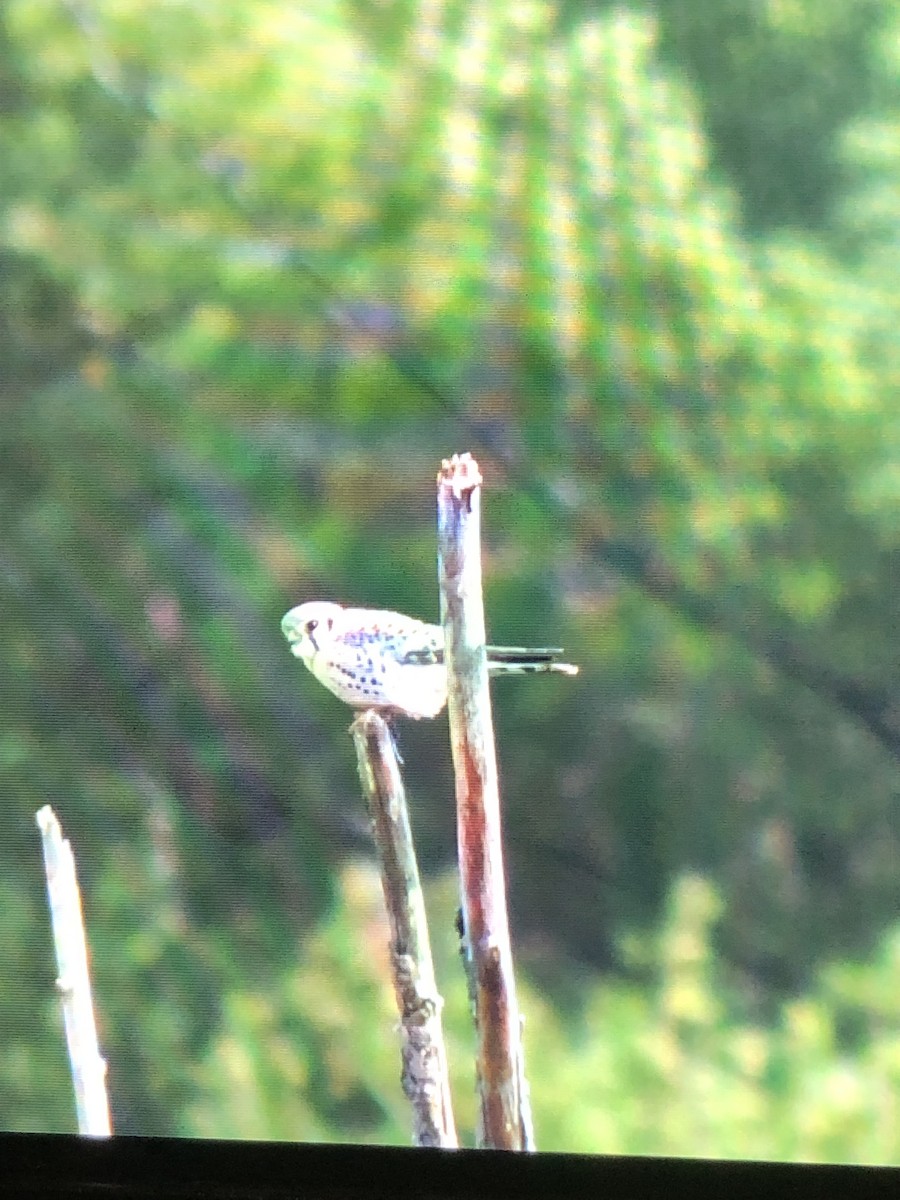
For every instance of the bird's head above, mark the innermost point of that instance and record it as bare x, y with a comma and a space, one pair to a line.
307, 625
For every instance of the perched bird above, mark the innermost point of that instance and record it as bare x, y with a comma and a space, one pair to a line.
372, 658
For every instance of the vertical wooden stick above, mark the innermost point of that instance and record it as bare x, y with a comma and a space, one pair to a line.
424, 1075
73, 980
504, 1120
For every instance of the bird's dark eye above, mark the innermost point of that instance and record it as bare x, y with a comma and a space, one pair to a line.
311, 627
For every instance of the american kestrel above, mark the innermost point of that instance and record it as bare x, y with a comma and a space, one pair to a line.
372, 658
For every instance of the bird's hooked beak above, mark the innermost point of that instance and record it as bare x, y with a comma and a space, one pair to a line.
294, 628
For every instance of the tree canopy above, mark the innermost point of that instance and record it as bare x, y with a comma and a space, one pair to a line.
264, 265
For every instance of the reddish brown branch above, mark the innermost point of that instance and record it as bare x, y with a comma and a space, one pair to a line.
503, 1116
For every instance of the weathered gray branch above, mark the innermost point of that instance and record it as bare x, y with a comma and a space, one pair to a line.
424, 1075
73, 980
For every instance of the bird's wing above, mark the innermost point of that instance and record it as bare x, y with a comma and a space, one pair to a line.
422, 645
411, 641
419, 643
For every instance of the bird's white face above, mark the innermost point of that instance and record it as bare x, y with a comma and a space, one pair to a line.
308, 626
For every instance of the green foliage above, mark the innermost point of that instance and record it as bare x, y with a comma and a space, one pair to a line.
262, 267
647, 1069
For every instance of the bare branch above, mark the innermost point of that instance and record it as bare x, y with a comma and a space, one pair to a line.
504, 1121
73, 981
425, 1073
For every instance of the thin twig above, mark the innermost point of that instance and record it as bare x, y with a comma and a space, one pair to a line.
424, 1075
73, 981
504, 1115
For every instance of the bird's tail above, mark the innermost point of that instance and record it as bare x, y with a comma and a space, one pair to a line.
517, 660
